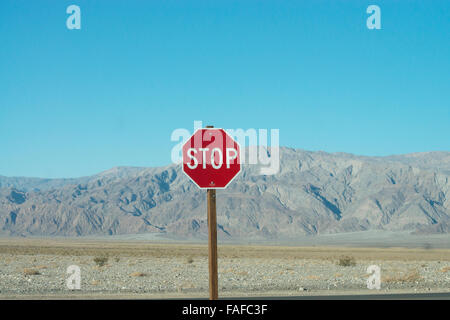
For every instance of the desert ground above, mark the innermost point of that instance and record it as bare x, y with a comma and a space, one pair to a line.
37, 269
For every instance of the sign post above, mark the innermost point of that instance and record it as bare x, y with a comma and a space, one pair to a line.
212, 243
211, 159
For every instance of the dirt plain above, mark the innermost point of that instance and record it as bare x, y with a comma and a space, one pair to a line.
37, 269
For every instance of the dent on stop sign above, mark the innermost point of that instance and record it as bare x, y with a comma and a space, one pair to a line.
211, 158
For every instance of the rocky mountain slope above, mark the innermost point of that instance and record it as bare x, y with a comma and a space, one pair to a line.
313, 193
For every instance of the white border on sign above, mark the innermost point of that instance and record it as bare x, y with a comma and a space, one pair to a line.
240, 161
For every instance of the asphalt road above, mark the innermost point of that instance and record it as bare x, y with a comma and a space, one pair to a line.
377, 296
395, 296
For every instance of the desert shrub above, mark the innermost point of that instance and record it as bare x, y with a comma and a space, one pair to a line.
346, 261
138, 274
100, 261
31, 272
190, 260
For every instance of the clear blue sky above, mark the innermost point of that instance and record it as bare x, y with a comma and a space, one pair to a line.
76, 102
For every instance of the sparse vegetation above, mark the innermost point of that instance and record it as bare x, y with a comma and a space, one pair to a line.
411, 276
257, 269
100, 261
31, 272
289, 269
40, 267
127, 251
445, 269
138, 274
346, 261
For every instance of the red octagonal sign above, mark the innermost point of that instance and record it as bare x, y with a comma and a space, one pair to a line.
211, 158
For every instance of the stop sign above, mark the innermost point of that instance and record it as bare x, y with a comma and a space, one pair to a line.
211, 158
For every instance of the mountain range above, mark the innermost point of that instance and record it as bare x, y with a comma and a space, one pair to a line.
313, 193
